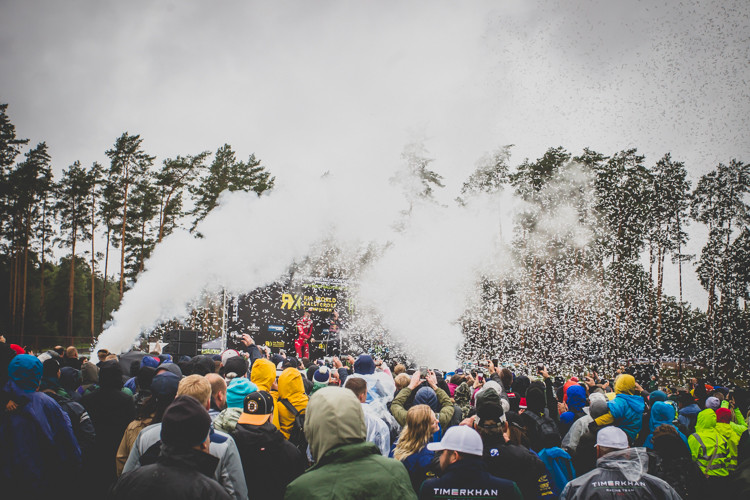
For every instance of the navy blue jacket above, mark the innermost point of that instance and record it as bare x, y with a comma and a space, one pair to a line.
38, 450
468, 479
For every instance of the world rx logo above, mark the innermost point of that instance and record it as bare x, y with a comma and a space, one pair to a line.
289, 301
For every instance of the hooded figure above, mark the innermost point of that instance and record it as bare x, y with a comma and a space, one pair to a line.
723, 417
628, 469
291, 389
237, 389
709, 448
626, 409
263, 376
111, 410
38, 451
89, 377
576, 400
661, 414
346, 466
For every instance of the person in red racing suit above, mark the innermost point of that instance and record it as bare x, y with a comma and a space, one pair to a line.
304, 333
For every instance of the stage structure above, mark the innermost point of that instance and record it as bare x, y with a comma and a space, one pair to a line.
269, 314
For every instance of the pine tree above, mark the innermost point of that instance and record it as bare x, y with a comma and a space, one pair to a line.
129, 165
175, 177
73, 206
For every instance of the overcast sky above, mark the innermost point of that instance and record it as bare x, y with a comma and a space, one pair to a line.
311, 86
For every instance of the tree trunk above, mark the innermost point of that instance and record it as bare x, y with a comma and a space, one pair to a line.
122, 241
25, 274
93, 266
659, 286
71, 284
44, 240
104, 286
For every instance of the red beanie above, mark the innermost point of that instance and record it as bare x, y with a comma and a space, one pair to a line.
17, 348
723, 415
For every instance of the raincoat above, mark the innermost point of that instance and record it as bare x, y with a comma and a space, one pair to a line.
560, 467
620, 474
661, 414
263, 375
626, 409
733, 439
707, 447
446, 407
292, 389
346, 466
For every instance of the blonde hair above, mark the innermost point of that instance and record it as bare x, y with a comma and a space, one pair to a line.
417, 432
399, 369
401, 380
196, 386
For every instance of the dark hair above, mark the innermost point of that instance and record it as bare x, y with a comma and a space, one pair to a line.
457, 379
506, 377
135, 365
357, 385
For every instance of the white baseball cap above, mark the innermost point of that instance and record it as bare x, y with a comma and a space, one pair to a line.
460, 438
612, 437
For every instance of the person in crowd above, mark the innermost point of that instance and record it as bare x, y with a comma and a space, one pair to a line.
538, 417
235, 367
723, 427
83, 428
621, 472
228, 472
264, 378
237, 389
411, 447
70, 380
163, 391
184, 468
507, 460
557, 461
710, 450
269, 461
581, 425
377, 430
320, 378
102, 355
463, 473
626, 410
304, 334
346, 465
111, 410
70, 358
675, 465
688, 413
291, 393
424, 391
89, 378
401, 380
38, 450
662, 414
218, 394
584, 453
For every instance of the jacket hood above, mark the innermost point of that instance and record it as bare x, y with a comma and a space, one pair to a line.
237, 390
661, 413
625, 384
631, 462
26, 371
364, 365
70, 378
706, 420
290, 384
89, 374
263, 374
333, 418
535, 399
636, 403
576, 398
426, 396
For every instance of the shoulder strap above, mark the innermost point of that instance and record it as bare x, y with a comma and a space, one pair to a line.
289, 406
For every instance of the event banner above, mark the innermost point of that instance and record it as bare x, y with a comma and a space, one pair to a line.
269, 314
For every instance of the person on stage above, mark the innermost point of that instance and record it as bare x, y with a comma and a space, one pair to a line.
304, 334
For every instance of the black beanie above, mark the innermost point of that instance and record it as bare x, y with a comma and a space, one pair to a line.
185, 423
236, 364
50, 367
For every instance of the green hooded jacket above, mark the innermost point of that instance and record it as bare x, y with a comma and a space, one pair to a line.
709, 449
346, 466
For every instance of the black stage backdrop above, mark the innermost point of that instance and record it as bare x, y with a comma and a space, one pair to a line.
269, 314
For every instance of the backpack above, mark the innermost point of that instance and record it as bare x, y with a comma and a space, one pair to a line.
297, 434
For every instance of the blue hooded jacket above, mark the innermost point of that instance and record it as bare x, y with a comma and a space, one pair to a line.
661, 414
560, 467
37, 445
627, 410
576, 398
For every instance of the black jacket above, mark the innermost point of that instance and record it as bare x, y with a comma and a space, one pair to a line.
110, 411
270, 462
183, 474
463, 479
518, 464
